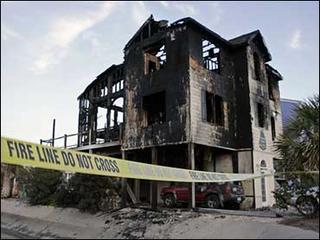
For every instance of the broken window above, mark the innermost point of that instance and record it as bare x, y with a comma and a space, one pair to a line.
209, 105
152, 66
101, 117
214, 109
154, 106
211, 56
103, 89
219, 116
260, 115
270, 89
116, 87
155, 58
256, 66
273, 129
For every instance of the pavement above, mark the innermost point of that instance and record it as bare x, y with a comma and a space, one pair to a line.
19, 220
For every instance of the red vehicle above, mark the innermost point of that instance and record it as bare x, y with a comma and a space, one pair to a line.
213, 195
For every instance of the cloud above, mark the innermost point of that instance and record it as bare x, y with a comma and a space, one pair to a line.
63, 32
164, 3
140, 12
182, 7
295, 41
8, 33
186, 9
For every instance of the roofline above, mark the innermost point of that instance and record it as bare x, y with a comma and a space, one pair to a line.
189, 20
274, 72
253, 34
98, 78
140, 28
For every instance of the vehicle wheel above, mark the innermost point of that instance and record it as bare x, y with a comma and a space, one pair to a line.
169, 200
235, 206
213, 201
307, 205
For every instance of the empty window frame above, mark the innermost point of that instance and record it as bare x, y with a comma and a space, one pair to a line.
116, 87
154, 106
270, 89
103, 89
273, 129
214, 109
261, 117
219, 113
257, 70
209, 106
211, 56
155, 58
101, 117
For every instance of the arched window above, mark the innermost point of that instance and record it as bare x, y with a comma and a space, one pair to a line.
117, 116
256, 60
263, 166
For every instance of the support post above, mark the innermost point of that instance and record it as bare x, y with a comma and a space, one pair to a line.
65, 141
53, 132
123, 186
137, 189
191, 163
154, 185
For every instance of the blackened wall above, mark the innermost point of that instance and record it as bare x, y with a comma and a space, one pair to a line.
173, 79
222, 84
242, 103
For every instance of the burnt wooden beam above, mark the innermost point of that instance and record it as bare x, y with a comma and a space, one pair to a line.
191, 163
123, 186
154, 185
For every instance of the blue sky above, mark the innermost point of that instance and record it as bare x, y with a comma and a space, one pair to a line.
51, 51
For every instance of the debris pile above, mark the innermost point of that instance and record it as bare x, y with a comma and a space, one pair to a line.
135, 221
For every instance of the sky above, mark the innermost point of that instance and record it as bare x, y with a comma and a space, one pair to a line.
50, 51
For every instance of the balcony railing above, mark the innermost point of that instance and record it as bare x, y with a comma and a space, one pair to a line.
102, 135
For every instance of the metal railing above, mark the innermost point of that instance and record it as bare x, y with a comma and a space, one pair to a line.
102, 135
63, 141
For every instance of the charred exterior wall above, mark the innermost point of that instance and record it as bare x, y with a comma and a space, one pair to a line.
102, 93
242, 100
263, 152
219, 83
172, 79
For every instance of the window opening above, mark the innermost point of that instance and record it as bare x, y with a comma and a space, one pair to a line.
256, 66
101, 117
211, 56
260, 115
270, 89
219, 110
154, 106
273, 128
155, 58
214, 109
209, 103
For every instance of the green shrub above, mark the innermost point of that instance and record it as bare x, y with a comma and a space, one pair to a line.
89, 192
38, 186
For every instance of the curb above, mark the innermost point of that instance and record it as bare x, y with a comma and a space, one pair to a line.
239, 213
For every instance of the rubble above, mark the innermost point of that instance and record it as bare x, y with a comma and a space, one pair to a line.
137, 220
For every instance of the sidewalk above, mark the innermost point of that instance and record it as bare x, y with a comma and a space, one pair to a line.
50, 222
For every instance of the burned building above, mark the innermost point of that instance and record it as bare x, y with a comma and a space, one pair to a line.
186, 97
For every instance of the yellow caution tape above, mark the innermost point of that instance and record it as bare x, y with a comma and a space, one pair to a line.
23, 153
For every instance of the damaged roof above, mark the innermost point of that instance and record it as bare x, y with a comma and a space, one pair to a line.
246, 38
234, 43
100, 77
161, 25
274, 72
